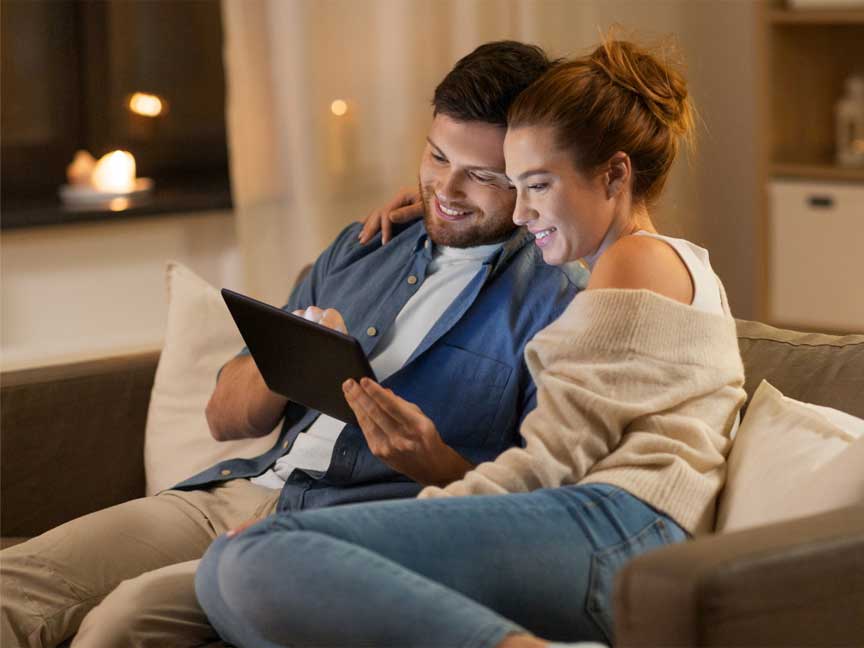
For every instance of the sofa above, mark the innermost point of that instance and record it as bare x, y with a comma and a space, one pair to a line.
72, 442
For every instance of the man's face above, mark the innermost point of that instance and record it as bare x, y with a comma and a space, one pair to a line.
466, 196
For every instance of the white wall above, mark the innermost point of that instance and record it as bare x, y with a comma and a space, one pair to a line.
90, 289
712, 196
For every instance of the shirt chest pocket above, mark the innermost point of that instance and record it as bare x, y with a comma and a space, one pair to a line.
462, 391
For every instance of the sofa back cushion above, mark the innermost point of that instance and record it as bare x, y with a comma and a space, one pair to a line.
200, 336
791, 459
811, 367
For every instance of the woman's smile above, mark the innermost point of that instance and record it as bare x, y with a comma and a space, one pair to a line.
544, 237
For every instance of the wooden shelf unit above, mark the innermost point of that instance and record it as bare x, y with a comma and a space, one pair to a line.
805, 56
816, 172
808, 65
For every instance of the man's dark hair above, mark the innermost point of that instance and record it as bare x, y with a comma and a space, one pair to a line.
484, 83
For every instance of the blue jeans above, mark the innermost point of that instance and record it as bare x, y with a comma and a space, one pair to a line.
451, 572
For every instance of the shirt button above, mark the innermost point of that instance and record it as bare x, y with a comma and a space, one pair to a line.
412, 280
224, 472
371, 331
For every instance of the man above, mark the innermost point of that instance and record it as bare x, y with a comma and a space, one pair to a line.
443, 311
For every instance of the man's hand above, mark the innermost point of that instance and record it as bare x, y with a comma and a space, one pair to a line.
330, 317
404, 207
401, 436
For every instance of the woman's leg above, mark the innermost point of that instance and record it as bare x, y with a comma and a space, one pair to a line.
448, 572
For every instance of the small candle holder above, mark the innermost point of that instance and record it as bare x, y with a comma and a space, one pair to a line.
108, 184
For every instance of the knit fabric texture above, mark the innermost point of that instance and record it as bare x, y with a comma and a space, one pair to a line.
635, 390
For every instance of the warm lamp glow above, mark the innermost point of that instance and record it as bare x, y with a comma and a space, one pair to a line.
114, 173
339, 107
148, 105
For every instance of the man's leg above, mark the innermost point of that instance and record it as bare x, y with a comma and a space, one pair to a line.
158, 608
50, 583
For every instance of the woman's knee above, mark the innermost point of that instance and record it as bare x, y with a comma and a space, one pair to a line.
205, 575
259, 574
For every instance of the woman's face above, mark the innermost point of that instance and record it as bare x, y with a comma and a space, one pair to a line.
568, 212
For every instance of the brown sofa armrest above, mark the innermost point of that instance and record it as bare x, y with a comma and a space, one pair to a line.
72, 439
795, 583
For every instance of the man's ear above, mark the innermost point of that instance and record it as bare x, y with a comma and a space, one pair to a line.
618, 174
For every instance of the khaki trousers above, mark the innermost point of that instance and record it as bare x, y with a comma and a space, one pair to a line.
123, 576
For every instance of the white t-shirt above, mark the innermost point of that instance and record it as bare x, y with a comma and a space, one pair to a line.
706, 286
447, 275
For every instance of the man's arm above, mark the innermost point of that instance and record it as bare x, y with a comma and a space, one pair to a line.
242, 406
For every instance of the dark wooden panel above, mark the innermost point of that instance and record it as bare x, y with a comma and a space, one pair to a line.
69, 68
40, 109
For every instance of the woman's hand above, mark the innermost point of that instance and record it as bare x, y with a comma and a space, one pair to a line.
404, 207
402, 436
239, 529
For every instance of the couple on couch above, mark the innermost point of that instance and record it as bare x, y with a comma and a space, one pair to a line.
603, 415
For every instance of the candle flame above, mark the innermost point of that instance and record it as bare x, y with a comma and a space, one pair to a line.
148, 105
81, 168
339, 107
114, 173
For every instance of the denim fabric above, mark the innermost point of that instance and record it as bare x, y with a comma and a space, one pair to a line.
468, 375
443, 572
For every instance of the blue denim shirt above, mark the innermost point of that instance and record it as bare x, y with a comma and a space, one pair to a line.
468, 374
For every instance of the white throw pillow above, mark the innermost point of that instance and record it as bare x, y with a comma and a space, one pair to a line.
791, 459
199, 338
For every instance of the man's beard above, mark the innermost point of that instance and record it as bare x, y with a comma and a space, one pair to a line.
461, 235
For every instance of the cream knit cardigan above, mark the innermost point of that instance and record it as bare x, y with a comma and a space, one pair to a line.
635, 390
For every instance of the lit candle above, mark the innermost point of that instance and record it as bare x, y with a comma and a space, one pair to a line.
114, 173
79, 172
338, 135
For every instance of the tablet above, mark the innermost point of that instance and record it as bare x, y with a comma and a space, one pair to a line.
301, 360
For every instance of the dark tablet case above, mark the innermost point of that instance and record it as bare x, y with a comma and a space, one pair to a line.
301, 360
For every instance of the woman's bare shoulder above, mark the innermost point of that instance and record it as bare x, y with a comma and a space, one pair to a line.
643, 262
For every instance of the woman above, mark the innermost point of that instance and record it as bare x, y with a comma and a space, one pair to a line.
639, 384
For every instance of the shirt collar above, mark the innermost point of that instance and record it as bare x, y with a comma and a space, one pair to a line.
497, 259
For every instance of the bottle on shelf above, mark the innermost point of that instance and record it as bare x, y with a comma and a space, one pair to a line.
849, 117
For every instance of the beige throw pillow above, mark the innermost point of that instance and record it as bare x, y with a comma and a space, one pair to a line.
200, 337
791, 459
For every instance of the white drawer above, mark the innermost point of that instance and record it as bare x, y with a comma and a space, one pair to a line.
816, 273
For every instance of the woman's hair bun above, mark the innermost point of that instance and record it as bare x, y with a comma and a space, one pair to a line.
657, 83
619, 98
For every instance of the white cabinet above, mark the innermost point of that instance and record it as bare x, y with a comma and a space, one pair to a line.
816, 251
